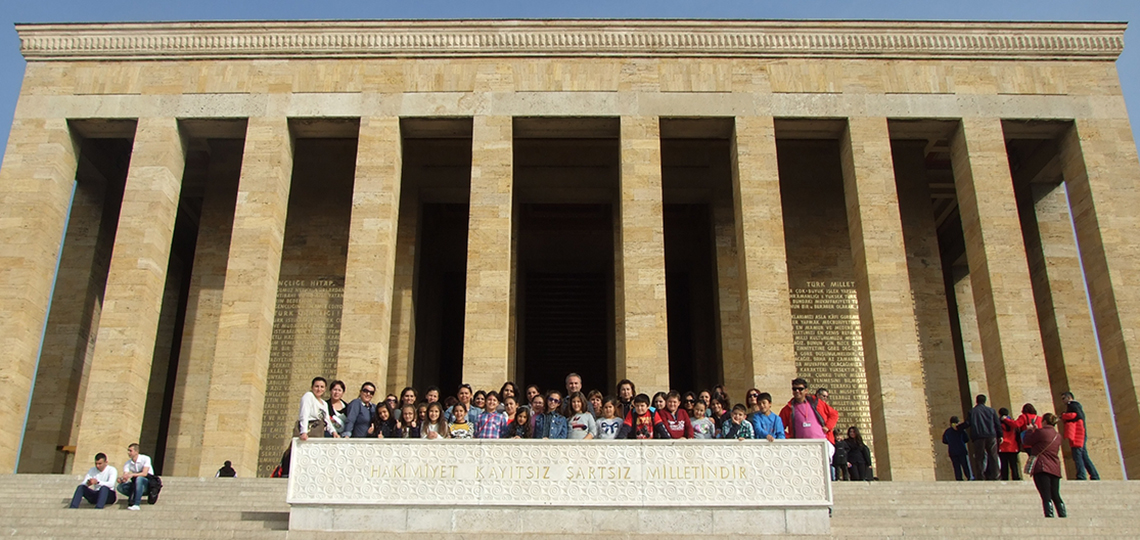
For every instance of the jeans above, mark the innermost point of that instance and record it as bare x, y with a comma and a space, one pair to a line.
99, 497
1083, 463
134, 488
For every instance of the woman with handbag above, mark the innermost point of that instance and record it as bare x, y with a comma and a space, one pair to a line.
1044, 463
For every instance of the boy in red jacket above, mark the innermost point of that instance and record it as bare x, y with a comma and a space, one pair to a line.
673, 422
639, 421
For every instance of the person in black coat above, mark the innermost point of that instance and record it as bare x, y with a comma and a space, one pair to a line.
858, 455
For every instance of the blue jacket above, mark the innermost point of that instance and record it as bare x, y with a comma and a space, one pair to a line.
551, 426
359, 418
765, 425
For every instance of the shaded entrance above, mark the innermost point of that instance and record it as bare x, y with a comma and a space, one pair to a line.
566, 294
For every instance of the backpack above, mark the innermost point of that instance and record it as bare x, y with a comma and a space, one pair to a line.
1036, 422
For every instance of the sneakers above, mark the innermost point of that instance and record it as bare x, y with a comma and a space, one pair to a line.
133, 507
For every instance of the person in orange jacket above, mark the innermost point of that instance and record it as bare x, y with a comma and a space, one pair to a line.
1009, 446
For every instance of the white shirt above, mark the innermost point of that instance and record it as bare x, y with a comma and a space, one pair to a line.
106, 478
312, 408
136, 466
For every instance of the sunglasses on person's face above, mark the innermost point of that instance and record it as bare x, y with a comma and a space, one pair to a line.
552, 400
798, 388
367, 391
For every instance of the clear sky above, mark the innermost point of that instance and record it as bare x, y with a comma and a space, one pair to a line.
13, 11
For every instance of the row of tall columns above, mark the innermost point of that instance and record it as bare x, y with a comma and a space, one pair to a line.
1100, 170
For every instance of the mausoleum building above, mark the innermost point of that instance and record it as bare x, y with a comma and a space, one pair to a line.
198, 218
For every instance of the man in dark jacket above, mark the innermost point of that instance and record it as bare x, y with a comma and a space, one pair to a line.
358, 423
986, 428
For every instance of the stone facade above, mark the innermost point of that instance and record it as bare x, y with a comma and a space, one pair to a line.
889, 156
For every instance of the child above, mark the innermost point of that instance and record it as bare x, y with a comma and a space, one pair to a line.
409, 429
720, 414
460, 428
479, 400
595, 398
421, 414
520, 426
671, 421
551, 424
435, 427
609, 425
384, 426
955, 438
703, 427
509, 406
658, 402
639, 421
491, 423
432, 394
765, 423
581, 422
736, 427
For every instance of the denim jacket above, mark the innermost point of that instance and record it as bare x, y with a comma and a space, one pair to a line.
551, 426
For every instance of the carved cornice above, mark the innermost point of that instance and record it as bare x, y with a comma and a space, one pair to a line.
572, 38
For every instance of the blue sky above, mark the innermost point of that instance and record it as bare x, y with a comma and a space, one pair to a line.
12, 64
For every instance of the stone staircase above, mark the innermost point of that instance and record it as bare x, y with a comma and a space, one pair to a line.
35, 506
982, 510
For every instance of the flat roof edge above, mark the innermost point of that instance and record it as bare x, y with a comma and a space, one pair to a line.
574, 38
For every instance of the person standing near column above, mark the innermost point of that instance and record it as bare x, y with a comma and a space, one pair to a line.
133, 483
313, 418
802, 418
1078, 437
98, 486
1044, 446
985, 427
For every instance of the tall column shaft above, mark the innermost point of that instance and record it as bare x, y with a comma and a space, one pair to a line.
132, 301
895, 382
1102, 173
999, 276
974, 362
370, 266
486, 332
36, 182
928, 284
232, 429
736, 366
203, 309
1066, 324
644, 351
770, 359
402, 342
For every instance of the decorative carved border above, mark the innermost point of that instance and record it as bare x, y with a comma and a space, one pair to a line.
572, 38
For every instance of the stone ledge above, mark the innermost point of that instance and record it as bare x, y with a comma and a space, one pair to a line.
572, 38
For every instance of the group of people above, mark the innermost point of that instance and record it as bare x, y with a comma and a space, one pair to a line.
999, 439
579, 414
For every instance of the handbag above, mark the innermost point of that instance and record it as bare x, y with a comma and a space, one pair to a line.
1029, 463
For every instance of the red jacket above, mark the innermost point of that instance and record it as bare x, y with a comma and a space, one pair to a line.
1009, 431
1074, 429
1023, 422
677, 426
826, 412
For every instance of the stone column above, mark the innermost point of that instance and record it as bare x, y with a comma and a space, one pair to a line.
1102, 173
402, 342
735, 365
928, 285
366, 318
643, 350
975, 363
1066, 324
203, 308
895, 381
486, 333
232, 429
132, 300
770, 358
999, 276
36, 184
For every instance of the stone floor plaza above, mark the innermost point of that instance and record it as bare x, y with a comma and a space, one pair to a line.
197, 218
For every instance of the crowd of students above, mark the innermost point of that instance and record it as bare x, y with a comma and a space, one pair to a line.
554, 414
